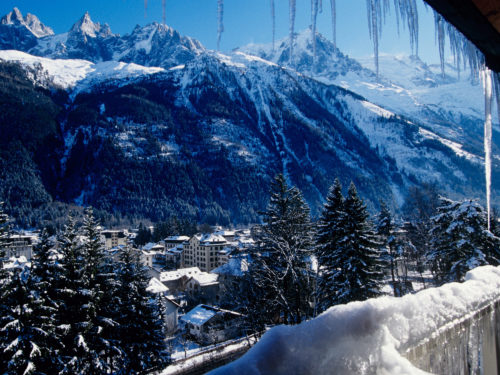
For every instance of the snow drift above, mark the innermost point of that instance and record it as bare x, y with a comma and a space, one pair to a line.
368, 337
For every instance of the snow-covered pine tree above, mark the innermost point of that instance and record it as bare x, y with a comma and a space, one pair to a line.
389, 255
103, 349
330, 230
74, 301
282, 266
5, 278
460, 240
139, 327
23, 331
43, 278
359, 264
28, 343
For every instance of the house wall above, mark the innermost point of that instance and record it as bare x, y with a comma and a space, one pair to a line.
19, 246
202, 255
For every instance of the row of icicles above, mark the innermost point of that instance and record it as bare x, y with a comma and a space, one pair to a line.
463, 51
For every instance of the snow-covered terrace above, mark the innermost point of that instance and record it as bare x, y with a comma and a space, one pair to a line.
450, 330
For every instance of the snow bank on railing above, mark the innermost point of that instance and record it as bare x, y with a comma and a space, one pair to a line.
368, 337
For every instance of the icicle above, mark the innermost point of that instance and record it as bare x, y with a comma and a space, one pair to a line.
320, 6
413, 26
292, 8
145, 8
273, 18
406, 10
374, 13
397, 10
334, 22
314, 13
312, 6
487, 138
496, 81
220, 23
439, 25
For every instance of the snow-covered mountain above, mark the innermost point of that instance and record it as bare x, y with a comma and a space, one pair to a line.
18, 32
152, 45
154, 125
452, 106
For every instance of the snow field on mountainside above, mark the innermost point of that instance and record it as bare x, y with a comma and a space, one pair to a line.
79, 74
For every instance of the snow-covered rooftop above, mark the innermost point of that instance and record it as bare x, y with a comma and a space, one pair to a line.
177, 249
205, 278
156, 286
212, 238
177, 239
148, 246
177, 274
228, 233
199, 315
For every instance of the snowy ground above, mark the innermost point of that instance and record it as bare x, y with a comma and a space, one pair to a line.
201, 355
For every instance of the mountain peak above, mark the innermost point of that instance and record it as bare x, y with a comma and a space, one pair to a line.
12, 18
31, 22
86, 26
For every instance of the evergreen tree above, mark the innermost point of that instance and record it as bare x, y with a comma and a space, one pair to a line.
460, 240
139, 323
420, 206
143, 236
74, 299
24, 329
5, 280
330, 231
389, 245
100, 283
43, 278
281, 268
359, 273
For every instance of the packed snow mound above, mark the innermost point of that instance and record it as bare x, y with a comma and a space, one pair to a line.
76, 74
368, 337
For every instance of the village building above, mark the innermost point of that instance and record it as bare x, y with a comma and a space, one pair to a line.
174, 241
173, 257
170, 307
204, 287
176, 281
208, 324
114, 238
231, 274
229, 235
147, 258
202, 251
19, 246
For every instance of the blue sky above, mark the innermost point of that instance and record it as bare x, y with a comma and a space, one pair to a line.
245, 21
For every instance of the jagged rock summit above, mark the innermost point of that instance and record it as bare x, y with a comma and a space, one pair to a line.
21, 33
86, 27
30, 22
151, 45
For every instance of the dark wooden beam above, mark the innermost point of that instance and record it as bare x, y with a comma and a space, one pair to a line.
476, 26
